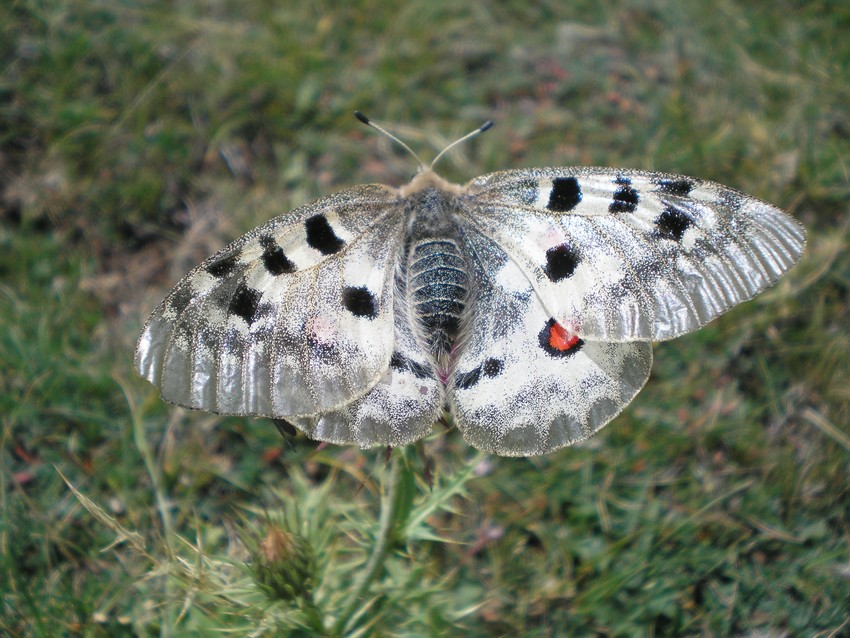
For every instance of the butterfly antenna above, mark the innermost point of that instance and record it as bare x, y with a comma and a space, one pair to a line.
487, 125
369, 122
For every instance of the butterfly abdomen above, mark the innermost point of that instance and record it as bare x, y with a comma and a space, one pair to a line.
439, 287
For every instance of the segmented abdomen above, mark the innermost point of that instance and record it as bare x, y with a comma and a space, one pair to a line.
438, 288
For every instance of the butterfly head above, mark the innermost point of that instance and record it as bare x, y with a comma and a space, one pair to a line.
428, 179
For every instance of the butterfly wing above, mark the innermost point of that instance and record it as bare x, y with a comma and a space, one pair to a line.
621, 255
516, 390
296, 317
401, 408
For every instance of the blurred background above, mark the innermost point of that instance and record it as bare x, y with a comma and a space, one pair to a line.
136, 138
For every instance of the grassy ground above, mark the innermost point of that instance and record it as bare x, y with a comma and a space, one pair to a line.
136, 138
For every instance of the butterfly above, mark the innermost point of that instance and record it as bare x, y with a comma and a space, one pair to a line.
521, 306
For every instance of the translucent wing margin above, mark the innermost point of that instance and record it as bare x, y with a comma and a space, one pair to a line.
296, 317
622, 255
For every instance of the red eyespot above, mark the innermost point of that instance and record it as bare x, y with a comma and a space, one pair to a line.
560, 339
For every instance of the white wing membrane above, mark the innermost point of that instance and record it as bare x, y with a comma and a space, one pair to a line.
513, 393
255, 331
623, 255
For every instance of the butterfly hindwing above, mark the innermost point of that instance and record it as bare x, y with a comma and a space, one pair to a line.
293, 318
625, 255
401, 408
516, 390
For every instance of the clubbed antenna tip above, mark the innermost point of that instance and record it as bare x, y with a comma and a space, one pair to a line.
487, 125
369, 122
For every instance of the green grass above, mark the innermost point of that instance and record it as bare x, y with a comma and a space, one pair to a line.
136, 138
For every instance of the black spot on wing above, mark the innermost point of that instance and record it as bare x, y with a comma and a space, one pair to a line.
244, 303
402, 363
677, 187
360, 302
275, 261
321, 236
565, 195
223, 267
493, 367
561, 262
625, 197
672, 224
490, 368
466, 380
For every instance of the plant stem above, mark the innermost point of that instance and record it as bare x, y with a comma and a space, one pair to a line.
383, 543
168, 533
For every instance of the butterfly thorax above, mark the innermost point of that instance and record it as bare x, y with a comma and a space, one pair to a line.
435, 273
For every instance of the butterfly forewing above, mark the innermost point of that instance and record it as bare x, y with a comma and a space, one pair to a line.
630, 255
293, 318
